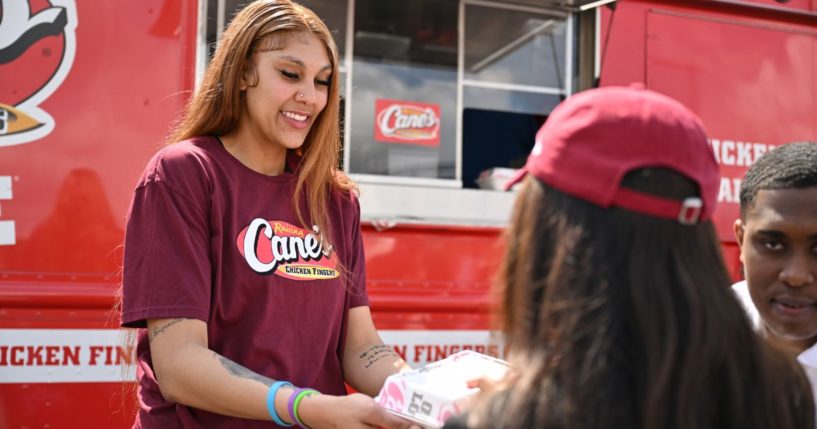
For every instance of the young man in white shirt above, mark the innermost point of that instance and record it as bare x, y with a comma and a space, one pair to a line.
777, 235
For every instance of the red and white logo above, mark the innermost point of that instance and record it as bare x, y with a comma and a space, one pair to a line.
409, 122
37, 47
271, 246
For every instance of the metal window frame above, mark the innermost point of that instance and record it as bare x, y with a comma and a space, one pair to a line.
201, 42
567, 90
403, 180
456, 182
348, 61
395, 199
597, 43
515, 87
518, 8
460, 76
442, 189
569, 54
221, 18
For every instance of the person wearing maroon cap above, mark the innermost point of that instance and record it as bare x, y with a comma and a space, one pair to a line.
777, 235
615, 302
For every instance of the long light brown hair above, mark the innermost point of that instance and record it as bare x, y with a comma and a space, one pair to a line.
620, 320
217, 105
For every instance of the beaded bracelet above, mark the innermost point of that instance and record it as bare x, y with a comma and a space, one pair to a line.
295, 400
271, 402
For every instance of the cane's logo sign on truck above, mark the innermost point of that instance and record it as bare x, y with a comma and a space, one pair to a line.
408, 122
37, 46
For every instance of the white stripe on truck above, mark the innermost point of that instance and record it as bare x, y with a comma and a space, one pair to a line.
107, 355
7, 235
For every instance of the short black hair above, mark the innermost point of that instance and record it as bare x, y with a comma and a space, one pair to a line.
790, 166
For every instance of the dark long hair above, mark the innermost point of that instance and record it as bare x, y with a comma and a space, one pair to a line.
619, 320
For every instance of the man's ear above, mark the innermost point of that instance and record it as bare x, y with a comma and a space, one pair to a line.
740, 230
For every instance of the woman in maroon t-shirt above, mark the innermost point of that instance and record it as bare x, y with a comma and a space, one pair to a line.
243, 257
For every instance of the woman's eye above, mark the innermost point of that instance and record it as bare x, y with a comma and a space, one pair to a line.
290, 75
323, 82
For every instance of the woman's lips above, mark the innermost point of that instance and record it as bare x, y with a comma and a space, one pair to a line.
295, 119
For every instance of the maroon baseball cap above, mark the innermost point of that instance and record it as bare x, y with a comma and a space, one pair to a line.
592, 139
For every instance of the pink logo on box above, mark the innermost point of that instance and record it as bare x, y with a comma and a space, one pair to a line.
448, 410
408, 122
393, 395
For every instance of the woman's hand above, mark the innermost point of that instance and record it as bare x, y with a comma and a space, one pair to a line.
352, 411
487, 386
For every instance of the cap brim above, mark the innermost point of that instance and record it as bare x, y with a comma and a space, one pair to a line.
516, 178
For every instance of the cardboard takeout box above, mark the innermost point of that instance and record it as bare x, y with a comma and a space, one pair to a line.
432, 394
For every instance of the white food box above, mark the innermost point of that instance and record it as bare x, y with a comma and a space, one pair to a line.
430, 395
495, 178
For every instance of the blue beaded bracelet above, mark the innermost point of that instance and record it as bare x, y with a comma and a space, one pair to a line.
271, 402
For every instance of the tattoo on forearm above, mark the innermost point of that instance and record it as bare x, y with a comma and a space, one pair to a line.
240, 371
153, 333
376, 353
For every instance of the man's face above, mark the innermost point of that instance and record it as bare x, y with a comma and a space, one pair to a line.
778, 245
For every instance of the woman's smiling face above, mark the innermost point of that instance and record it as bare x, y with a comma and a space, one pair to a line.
291, 89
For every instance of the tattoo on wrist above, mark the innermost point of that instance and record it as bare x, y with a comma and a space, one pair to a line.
156, 331
376, 353
241, 371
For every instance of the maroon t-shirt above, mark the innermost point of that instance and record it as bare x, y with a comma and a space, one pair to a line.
208, 238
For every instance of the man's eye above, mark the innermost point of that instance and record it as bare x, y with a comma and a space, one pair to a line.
773, 245
289, 75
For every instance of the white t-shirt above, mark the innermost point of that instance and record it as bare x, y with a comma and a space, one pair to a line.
808, 358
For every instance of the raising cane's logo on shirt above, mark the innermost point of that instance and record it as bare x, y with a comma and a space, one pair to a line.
409, 122
278, 247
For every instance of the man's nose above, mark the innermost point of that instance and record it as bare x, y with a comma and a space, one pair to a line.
799, 270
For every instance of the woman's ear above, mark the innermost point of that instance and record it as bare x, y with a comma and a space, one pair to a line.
247, 76
242, 83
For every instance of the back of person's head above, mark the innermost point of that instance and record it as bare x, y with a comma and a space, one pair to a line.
615, 301
791, 166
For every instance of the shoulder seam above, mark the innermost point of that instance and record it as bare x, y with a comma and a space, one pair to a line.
167, 186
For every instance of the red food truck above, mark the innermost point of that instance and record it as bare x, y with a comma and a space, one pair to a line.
440, 99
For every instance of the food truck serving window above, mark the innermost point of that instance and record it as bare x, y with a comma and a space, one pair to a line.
438, 93
403, 103
514, 72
